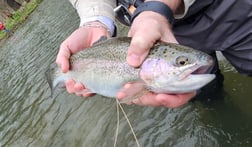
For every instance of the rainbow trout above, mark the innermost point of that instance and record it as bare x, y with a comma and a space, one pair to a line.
168, 68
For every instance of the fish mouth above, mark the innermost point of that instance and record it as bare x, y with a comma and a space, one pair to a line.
192, 79
205, 67
198, 70
201, 70
166, 78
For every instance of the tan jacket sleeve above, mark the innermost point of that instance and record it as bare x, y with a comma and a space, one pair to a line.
187, 4
88, 9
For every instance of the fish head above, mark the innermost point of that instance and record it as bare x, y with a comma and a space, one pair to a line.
176, 70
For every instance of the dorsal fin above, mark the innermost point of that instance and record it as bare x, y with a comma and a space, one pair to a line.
102, 39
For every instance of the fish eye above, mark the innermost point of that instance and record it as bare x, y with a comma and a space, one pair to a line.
182, 60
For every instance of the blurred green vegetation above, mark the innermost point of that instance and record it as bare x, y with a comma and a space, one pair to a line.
19, 16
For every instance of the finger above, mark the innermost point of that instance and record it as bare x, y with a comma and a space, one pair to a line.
131, 91
63, 58
147, 100
174, 101
70, 86
78, 87
88, 94
80, 90
138, 50
166, 100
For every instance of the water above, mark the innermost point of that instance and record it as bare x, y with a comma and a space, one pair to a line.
29, 117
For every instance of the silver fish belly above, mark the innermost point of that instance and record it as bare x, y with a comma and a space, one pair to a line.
102, 68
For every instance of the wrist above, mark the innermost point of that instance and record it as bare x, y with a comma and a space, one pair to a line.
157, 7
98, 27
104, 20
177, 6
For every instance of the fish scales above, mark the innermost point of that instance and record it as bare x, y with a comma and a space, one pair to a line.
112, 49
103, 69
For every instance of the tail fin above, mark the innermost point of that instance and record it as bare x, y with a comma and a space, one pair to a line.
52, 75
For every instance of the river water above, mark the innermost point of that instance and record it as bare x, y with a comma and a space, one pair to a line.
29, 117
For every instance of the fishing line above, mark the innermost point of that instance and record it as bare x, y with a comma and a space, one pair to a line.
118, 104
117, 123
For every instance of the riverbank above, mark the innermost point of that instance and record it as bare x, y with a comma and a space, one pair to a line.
18, 17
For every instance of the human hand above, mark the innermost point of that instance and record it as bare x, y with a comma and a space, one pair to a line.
133, 93
80, 39
148, 28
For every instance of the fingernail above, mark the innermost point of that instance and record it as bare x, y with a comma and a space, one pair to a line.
133, 60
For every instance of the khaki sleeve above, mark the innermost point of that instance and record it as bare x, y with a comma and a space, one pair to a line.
187, 4
87, 9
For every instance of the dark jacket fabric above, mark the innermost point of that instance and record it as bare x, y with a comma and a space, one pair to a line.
223, 25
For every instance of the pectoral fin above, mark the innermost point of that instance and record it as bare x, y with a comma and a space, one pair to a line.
132, 91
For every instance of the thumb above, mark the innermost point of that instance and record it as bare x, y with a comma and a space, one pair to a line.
62, 59
138, 50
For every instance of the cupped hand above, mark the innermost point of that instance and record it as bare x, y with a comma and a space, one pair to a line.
147, 98
80, 39
148, 28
